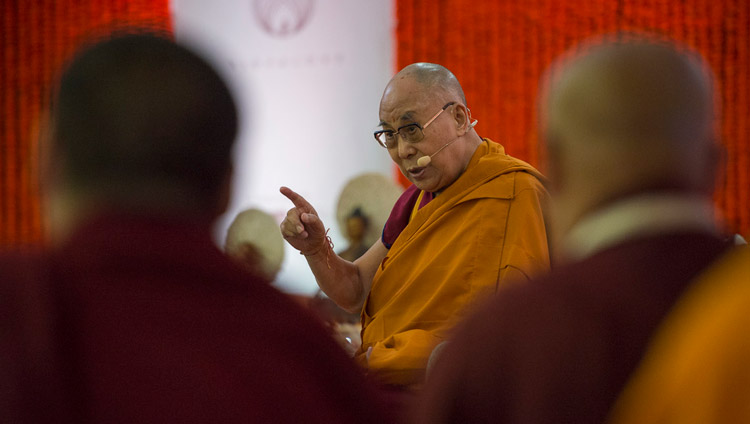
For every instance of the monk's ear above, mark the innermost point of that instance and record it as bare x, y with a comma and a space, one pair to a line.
461, 115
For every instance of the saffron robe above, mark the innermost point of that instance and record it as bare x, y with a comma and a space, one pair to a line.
485, 229
697, 368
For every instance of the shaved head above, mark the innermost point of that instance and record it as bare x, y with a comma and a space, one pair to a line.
429, 94
634, 92
626, 117
434, 76
140, 123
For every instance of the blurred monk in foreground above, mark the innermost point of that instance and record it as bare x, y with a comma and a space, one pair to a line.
629, 130
136, 316
697, 368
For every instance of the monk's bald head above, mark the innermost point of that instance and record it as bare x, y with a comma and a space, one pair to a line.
627, 117
634, 92
433, 77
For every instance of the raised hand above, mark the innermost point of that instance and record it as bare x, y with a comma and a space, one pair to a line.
302, 228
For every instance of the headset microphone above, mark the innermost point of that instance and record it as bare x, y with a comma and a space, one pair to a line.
425, 160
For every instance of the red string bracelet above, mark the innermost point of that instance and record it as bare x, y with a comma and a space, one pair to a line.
327, 242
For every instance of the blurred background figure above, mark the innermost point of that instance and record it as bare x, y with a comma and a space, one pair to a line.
142, 317
362, 210
629, 127
254, 242
355, 230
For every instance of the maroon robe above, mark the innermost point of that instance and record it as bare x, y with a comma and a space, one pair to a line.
152, 323
560, 349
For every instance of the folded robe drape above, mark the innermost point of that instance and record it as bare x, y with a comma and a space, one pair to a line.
485, 229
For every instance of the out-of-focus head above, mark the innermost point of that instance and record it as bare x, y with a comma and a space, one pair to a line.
254, 241
356, 225
142, 123
414, 96
625, 117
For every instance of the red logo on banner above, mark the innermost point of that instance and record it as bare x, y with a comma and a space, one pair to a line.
283, 18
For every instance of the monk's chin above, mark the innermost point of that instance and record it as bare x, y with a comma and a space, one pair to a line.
425, 186
422, 181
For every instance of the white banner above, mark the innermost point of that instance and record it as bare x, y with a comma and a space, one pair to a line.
308, 75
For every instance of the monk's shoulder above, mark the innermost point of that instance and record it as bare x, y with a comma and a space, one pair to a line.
508, 185
528, 180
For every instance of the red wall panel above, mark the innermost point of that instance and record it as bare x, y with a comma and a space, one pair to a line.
36, 37
499, 50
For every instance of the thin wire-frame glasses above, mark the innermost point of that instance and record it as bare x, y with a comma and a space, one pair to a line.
410, 133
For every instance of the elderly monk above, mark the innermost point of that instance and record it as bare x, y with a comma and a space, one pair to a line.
632, 154
472, 221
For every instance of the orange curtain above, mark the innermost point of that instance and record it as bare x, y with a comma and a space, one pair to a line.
36, 37
499, 50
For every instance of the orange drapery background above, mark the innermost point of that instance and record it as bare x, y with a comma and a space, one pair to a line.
499, 50
36, 38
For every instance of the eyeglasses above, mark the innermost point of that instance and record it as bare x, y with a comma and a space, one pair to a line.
411, 133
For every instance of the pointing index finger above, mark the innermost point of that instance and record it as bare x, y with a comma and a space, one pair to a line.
298, 200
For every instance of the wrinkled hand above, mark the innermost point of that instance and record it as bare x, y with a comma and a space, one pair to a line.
302, 228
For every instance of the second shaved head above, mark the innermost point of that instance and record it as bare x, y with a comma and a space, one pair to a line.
634, 91
626, 117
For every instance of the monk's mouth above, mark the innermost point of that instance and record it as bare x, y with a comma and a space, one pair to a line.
416, 172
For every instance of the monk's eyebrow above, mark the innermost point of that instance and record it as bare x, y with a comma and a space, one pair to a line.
407, 116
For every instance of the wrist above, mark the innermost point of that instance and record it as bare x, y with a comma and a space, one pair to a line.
326, 246
322, 247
